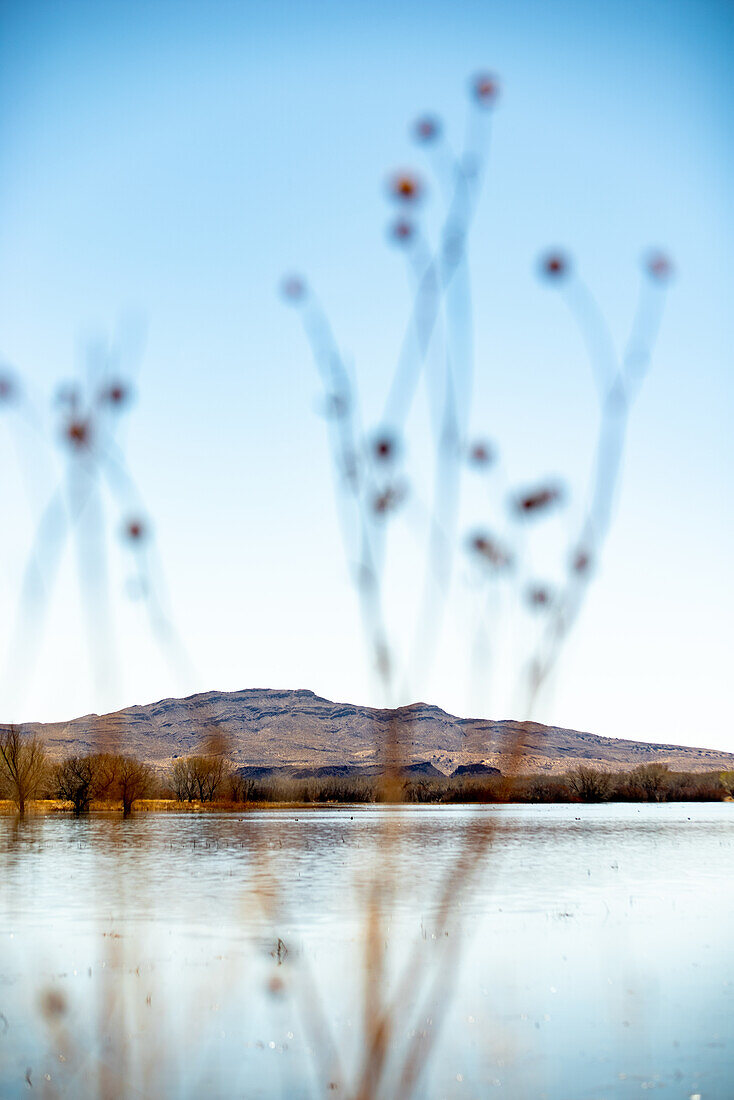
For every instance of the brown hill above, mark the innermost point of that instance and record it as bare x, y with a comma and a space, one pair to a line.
272, 728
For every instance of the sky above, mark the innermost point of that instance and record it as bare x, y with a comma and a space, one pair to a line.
163, 165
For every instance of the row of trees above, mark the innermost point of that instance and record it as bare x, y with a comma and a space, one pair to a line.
26, 773
646, 783
80, 779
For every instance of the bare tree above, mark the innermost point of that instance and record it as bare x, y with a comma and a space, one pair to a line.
75, 781
134, 780
182, 781
590, 784
650, 781
210, 771
240, 788
22, 766
199, 777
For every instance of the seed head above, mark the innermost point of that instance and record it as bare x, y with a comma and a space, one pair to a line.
402, 231
115, 394
427, 128
537, 500
659, 267
554, 265
388, 500
135, 530
481, 453
384, 447
581, 561
78, 433
484, 546
485, 89
405, 187
293, 289
7, 386
538, 596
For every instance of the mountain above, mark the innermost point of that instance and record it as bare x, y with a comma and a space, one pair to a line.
268, 728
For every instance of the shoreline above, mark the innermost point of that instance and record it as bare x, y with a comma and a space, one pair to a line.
49, 807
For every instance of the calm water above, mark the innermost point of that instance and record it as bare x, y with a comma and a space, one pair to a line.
193, 956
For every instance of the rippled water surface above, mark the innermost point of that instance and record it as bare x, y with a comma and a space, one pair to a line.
222, 955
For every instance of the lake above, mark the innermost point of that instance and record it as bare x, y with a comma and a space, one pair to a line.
590, 955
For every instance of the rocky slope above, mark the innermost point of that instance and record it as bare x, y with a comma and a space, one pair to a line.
272, 728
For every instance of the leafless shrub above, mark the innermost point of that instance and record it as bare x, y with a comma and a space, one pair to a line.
541, 788
696, 787
650, 781
590, 784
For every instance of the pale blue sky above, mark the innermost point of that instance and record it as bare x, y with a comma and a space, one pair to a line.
168, 161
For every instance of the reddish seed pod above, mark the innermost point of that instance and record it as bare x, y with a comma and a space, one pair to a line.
405, 187
538, 596
537, 500
293, 289
135, 530
427, 128
115, 394
554, 265
485, 89
484, 546
384, 447
388, 500
402, 231
7, 387
659, 266
481, 453
581, 561
78, 433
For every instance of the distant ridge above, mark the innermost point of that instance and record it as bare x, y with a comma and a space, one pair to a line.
267, 728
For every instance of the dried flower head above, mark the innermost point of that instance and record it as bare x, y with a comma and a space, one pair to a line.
659, 266
7, 386
538, 596
427, 128
78, 433
388, 500
293, 289
116, 394
554, 265
581, 561
484, 546
481, 453
402, 231
384, 447
405, 187
135, 530
536, 500
485, 89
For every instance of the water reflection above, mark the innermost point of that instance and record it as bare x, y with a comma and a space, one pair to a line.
187, 955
